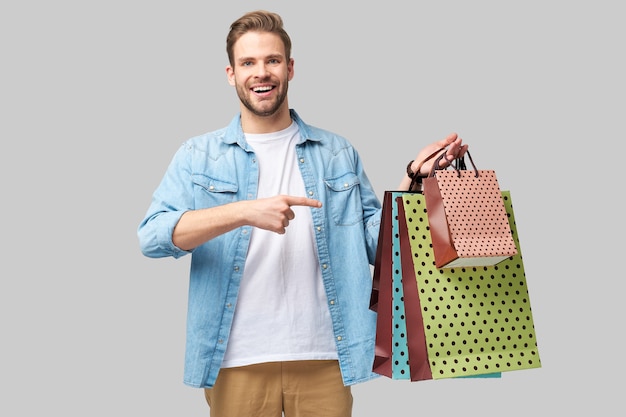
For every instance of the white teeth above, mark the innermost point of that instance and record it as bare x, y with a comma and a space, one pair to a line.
262, 89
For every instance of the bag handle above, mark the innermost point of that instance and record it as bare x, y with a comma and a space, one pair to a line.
457, 164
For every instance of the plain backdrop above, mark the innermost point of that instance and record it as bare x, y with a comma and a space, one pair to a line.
97, 96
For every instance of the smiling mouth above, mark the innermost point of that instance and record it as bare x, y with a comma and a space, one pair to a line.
263, 89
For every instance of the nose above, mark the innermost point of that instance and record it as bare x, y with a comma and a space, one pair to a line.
262, 70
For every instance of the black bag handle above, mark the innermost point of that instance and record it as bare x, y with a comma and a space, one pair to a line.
457, 164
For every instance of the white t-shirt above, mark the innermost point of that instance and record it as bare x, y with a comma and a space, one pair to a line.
282, 312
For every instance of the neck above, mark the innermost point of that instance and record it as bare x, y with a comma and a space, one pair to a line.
252, 123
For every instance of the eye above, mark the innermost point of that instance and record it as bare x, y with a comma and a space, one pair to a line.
274, 61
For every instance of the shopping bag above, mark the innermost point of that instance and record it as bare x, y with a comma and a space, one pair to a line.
381, 296
407, 301
467, 217
399, 348
401, 351
477, 319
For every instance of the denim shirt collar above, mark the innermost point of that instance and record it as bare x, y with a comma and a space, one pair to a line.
234, 131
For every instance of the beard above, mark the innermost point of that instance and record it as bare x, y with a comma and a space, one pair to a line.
263, 108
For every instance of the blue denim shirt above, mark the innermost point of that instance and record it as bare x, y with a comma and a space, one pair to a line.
219, 168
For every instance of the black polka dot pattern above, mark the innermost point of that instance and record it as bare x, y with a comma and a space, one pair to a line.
476, 215
399, 348
477, 320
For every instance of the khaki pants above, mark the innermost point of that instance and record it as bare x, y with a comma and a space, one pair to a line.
298, 388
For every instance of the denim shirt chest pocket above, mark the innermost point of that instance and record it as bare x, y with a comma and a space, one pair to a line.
211, 192
344, 197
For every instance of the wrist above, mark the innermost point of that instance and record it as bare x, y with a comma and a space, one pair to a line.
413, 174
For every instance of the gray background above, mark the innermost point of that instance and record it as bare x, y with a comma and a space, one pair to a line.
97, 96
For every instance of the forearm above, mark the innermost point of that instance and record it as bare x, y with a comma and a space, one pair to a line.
405, 183
196, 227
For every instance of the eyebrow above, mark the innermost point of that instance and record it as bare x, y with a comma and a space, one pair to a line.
272, 56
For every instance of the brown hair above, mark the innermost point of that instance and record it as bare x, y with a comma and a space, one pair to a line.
257, 21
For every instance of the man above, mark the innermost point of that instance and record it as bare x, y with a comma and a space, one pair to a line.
282, 224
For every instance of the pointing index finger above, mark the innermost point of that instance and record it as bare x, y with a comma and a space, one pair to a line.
303, 201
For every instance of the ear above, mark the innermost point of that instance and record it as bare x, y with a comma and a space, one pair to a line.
290, 68
230, 74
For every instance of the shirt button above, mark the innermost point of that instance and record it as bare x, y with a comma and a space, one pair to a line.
339, 338
332, 302
236, 268
319, 229
302, 160
345, 185
311, 193
324, 266
211, 187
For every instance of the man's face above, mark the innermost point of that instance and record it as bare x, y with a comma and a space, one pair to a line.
261, 72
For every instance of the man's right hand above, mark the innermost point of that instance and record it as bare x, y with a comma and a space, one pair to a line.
275, 213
